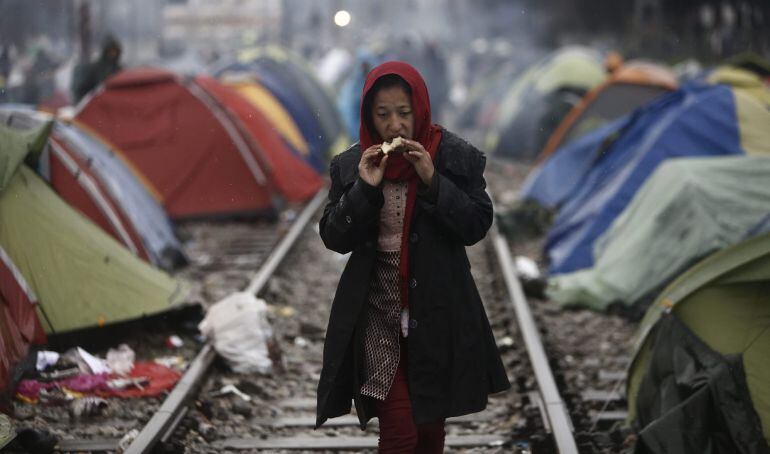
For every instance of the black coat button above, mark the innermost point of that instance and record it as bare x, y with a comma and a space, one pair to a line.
414, 237
413, 323
348, 219
413, 283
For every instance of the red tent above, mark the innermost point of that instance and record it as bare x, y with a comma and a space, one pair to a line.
19, 325
290, 175
185, 145
75, 182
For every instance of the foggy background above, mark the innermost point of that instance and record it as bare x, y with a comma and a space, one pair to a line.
199, 29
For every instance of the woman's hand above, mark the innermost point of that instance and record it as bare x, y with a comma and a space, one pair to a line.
369, 169
420, 159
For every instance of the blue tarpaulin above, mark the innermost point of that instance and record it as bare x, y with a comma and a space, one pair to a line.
551, 183
697, 120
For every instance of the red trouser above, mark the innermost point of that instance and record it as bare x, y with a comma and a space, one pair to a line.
398, 432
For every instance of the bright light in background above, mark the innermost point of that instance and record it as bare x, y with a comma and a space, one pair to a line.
342, 18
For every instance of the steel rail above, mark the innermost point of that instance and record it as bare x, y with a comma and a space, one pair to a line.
165, 420
556, 411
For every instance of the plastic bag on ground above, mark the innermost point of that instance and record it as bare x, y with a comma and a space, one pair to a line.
121, 360
240, 332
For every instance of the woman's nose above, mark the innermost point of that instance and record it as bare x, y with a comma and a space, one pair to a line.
395, 123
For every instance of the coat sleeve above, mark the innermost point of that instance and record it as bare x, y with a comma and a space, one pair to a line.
350, 212
463, 209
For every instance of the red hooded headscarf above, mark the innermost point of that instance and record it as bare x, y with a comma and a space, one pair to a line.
398, 168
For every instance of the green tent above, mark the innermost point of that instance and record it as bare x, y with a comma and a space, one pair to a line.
699, 380
689, 208
539, 98
81, 276
16, 145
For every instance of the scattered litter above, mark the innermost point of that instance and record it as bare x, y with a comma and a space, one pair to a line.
300, 342
283, 311
46, 359
508, 197
55, 396
88, 406
127, 439
132, 382
526, 267
121, 360
240, 332
60, 391
231, 389
59, 374
153, 378
507, 341
88, 363
174, 341
288, 216
174, 362
161, 379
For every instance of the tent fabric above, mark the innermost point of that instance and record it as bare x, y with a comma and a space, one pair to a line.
697, 120
616, 100
16, 145
298, 73
181, 141
556, 178
349, 95
283, 123
317, 94
291, 99
134, 201
724, 301
551, 183
81, 276
542, 94
630, 86
289, 175
76, 183
689, 208
84, 172
693, 399
19, 325
741, 78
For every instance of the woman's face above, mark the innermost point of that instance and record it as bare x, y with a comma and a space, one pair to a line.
392, 114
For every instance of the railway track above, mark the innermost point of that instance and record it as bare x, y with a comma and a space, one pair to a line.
566, 393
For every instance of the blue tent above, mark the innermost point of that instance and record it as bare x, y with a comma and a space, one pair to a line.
551, 183
291, 99
697, 120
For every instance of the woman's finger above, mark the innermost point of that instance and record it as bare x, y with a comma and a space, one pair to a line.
414, 145
383, 162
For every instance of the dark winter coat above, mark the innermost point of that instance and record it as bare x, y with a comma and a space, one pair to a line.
453, 362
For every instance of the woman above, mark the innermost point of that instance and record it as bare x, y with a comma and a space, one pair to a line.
408, 339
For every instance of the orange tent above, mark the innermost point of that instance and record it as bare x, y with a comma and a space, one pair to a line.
629, 86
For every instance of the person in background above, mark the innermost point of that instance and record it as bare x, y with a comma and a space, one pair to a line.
408, 337
88, 76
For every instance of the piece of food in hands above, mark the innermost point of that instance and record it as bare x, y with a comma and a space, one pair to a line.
397, 145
